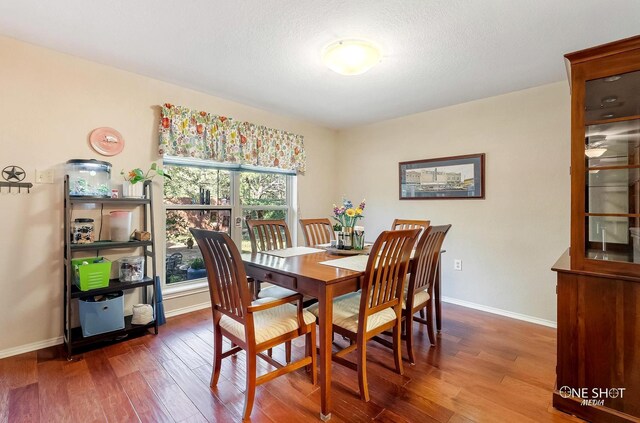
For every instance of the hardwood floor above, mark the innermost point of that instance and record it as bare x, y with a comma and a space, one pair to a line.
486, 368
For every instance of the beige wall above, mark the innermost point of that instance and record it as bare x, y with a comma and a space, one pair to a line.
507, 242
49, 102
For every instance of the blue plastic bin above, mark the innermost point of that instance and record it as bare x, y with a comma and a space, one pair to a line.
101, 316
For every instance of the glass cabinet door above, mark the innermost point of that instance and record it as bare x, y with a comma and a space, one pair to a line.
612, 164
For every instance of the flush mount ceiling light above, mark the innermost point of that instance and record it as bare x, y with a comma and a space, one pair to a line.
592, 153
351, 57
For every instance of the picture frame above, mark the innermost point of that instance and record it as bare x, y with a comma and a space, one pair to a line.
443, 178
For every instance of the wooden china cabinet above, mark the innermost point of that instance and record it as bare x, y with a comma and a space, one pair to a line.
598, 368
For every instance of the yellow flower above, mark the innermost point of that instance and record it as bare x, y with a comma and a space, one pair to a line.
351, 212
358, 211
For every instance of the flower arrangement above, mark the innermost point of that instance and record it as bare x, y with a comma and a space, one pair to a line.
137, 175
347, 215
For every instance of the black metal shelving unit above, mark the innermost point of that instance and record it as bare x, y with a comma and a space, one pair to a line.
73, 338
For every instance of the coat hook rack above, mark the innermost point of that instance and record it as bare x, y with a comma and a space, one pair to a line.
19, 185
14, 175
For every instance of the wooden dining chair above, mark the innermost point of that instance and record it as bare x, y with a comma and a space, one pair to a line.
316, 231
252, 327
418, 293
429, 269
377, 307
267, 235
410, 224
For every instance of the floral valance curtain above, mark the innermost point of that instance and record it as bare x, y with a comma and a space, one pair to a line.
201, 135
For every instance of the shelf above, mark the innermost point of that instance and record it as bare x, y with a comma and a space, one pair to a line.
614, 167
114, 286
612, 214
619, 256
77, 340
103, 245
106, 200
611, 120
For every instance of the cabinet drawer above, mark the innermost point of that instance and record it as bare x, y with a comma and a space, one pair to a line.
272, 277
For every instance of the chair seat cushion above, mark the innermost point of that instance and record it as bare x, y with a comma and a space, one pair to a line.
269, 323
346, 309
420, 297
275, 291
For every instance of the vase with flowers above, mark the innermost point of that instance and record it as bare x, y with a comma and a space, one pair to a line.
347, 216
133, 185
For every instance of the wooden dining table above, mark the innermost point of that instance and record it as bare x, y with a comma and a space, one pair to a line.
306, 275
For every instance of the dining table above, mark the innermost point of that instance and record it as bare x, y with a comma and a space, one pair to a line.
312, 274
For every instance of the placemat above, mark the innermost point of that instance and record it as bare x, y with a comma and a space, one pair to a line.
293, 251
357, 263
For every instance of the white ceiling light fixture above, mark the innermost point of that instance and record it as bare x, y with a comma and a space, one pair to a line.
351, 57
592, 153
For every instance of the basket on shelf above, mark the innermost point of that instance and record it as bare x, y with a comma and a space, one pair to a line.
91, 272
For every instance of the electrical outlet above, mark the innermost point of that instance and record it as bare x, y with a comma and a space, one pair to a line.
44, 176
457, 264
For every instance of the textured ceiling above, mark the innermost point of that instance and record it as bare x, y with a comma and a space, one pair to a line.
266, 53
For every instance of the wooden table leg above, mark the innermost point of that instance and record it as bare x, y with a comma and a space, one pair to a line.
325, 311
436, 292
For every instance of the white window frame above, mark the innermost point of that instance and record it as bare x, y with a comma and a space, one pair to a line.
193, 286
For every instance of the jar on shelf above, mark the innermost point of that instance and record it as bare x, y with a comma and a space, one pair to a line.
131, 269
82, 231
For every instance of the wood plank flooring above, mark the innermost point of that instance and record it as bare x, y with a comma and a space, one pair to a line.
486, 368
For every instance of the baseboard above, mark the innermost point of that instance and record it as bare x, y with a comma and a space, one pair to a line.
57, 341
31, 347
498, 311
188, 309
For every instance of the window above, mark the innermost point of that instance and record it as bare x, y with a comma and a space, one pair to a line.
220, 199
262, 196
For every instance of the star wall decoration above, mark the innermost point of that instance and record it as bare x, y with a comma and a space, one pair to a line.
13, 174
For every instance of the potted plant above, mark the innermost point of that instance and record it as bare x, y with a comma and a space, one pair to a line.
133, 184
196, 269
337, 228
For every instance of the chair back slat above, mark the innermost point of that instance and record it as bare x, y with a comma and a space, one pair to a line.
267, 235
316, 231
227, 278
426, 260
387, 267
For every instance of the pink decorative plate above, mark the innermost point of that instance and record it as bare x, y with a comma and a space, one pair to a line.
106, 141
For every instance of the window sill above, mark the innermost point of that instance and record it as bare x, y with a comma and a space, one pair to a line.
183, 290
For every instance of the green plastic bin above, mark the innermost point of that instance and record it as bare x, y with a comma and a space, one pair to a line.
92, 275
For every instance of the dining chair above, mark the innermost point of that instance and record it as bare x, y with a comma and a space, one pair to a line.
377, 307
409, 224
418, 292
251, 326
429, 269
316, 231
267, 235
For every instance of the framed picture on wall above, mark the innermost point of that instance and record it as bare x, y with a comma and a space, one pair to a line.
444, 178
